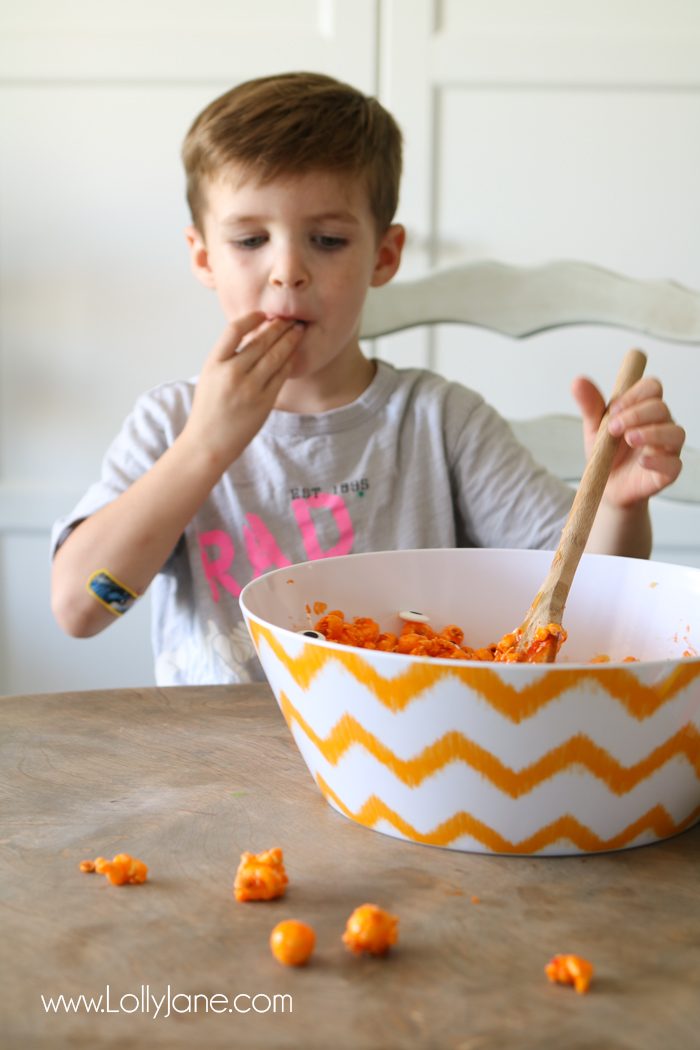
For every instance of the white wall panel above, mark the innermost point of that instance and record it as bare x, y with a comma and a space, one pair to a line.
580, 41
573, 18
603, 176
179, 41
97, 303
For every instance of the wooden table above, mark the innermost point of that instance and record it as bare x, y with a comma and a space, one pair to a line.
186, 779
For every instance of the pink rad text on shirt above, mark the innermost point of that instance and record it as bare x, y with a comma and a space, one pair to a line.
218, 552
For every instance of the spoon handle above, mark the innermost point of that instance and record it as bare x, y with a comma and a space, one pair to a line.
548, 607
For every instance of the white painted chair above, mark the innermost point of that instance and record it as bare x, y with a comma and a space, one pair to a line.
521, 302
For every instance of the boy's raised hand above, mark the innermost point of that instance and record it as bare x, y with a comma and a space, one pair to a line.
239, 383
648, 459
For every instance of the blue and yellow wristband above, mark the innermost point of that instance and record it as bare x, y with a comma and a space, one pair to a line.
108, 591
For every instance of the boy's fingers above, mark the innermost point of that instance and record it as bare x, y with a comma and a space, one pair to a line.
276, 365
666, 437
642, 414
260, 342
230, 340
667, 466
647, 388
275, 378
267, 352
589, 398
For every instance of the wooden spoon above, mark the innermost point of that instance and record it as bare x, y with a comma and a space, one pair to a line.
548, 606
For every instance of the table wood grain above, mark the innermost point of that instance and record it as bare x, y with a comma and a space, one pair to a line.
186, 779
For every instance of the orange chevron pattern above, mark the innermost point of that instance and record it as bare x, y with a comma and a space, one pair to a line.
397, 693
580, 750
656, 820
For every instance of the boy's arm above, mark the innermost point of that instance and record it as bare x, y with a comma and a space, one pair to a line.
625, 531
132, 537
647, 461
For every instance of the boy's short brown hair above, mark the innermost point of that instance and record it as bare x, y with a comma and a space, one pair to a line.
291, 124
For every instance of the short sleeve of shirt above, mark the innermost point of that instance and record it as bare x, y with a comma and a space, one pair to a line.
503, 496
150, 428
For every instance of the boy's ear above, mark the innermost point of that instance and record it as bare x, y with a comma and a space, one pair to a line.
199, 257
388, 256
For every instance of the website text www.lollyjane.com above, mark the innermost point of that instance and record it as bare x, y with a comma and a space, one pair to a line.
144, 1001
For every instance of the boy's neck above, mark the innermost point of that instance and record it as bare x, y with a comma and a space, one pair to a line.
323, 391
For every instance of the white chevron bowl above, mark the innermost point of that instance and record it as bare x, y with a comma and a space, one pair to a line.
565, 758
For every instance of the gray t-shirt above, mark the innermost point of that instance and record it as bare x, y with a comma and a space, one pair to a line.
415, 461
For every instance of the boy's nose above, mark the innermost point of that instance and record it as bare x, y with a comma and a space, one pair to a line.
289, 271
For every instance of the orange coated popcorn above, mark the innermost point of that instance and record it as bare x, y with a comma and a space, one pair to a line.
508, 649
292, 942
121, 870
420, 639
570, 969
260, 877
370, 929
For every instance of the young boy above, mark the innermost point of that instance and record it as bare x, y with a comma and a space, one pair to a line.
291, 444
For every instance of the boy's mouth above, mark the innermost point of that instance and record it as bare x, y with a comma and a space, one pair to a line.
288, 317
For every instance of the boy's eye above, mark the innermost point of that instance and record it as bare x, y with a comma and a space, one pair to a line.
251, 242
329, 243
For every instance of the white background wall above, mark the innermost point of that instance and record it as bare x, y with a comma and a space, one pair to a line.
534, 130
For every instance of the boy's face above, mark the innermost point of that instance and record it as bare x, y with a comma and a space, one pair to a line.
303, 247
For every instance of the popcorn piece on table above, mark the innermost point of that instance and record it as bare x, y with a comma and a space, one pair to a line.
260, 877
570, 969
121, 870
370, 929
292, 942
